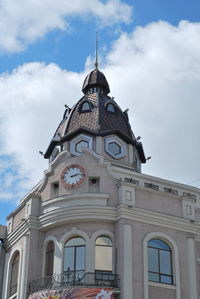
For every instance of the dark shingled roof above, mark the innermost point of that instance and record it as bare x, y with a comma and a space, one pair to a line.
95, 78
98, 120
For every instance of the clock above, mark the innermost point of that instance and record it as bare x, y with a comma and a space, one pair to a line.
73, 176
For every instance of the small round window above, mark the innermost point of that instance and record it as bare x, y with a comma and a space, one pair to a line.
110, 107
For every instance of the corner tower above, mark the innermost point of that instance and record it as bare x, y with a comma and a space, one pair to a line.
96, 122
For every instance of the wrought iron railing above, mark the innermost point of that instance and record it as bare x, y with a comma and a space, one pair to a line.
75, 278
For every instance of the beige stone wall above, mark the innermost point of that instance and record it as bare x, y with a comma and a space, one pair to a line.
18, 218
159, 202
161, 293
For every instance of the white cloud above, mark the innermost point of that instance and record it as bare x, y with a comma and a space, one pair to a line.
24, 21
160, 64
153, 71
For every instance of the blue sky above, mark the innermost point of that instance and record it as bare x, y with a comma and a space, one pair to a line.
45, 52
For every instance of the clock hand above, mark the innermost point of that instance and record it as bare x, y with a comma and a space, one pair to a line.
71, 176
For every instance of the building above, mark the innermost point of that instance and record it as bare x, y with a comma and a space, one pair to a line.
95, 226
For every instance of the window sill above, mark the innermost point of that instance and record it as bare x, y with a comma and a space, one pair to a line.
162, 285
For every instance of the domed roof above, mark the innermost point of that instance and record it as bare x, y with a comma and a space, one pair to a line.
95, 79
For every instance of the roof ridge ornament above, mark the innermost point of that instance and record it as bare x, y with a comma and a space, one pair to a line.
96, 61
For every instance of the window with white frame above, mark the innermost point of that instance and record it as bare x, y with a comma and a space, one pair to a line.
14, 274
160, 262
115, 147
80, 142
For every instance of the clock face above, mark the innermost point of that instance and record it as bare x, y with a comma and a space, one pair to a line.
73, 176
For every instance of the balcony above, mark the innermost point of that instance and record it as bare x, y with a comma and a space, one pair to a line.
75, 278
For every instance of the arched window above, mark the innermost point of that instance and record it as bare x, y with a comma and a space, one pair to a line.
74, 255
14, 274
159, 262
103, 254
85, 106
49, 259
110, 107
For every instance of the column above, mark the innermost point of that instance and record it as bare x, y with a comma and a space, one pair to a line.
23, 268
128, 263
192, 279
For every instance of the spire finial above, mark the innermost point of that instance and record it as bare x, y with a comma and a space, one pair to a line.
96, 62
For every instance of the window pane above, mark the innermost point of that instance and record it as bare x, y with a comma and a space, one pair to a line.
154, 277
105, 241
114, 148
49, 259
165, 262
69, 259
111, 108
156, 243
80, 145
75, 242
103, 258
80, 258
14, 274
153, 260
85, 106
166, 279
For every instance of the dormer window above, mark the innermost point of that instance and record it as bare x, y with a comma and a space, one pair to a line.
111, 108
86, 106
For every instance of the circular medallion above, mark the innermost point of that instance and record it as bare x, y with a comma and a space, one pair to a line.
73, 176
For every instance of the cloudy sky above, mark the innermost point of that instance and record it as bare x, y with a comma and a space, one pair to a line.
150, 53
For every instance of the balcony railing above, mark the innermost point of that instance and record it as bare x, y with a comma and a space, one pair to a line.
75, 278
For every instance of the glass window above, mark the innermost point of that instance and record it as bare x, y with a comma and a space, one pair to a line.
14, 274
103, 254
114, 148
159, 262
80, 145
74, 255
85, 106
110, 108
49, 259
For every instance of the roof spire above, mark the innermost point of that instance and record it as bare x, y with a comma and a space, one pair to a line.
96, 62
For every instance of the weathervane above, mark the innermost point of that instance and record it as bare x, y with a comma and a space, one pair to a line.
96, 62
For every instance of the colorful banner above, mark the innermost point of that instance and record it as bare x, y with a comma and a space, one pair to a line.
75, 293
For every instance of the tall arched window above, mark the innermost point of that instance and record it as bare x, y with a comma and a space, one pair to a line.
49, 259
74, 255
103, 254
14, 274
160, 262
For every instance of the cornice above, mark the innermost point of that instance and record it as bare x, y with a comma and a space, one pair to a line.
93, 213
157, 219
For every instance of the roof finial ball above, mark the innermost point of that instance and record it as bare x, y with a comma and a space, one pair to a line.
96, 61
